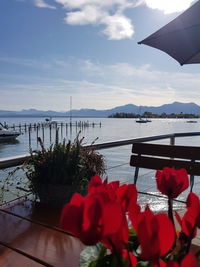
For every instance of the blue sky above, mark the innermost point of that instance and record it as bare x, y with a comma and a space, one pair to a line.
53, 49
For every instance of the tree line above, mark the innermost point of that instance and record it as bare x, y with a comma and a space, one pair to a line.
152, 115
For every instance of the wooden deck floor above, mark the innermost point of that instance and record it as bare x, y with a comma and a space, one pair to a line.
29, 236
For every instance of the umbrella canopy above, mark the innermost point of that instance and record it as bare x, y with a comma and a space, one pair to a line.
181, 37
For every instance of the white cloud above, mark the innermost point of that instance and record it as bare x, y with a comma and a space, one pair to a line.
96, 85
88, 15
118, 27
72, 4
43, 4
169, 6
109, 13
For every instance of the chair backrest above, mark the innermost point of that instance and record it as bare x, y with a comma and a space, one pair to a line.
156, 157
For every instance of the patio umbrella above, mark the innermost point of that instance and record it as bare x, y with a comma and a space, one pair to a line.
181, 37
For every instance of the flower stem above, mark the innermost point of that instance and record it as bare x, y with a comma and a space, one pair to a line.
170, 209
190, 238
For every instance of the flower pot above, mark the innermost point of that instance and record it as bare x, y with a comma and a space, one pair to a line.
56, 195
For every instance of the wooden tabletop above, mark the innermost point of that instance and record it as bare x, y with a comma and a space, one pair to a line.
30, 236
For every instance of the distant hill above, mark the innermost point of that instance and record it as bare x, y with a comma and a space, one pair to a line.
175, 107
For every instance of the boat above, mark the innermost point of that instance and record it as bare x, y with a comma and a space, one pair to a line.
141, 120
6, 134
191, 121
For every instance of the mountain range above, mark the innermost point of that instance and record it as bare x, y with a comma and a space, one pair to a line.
175, 107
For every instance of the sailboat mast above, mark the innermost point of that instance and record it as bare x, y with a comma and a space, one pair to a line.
70, 114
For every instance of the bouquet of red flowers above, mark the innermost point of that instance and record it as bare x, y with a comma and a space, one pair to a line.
110, 216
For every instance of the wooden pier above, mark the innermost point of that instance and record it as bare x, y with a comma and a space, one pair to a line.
49, 128
42, 125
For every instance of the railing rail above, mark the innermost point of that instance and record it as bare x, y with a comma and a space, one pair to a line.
19, 160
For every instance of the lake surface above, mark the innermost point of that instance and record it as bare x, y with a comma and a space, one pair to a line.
110, 130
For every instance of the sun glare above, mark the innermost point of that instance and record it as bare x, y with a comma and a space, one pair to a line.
169, 6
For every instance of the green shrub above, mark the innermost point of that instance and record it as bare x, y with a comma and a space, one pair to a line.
64, 163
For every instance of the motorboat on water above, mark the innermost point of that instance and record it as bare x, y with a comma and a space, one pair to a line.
6, 134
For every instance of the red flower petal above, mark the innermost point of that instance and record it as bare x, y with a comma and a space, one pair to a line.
156, 235
115, 240
94, 183
127, 195
112, 218
173, 264
72, 214
189, 261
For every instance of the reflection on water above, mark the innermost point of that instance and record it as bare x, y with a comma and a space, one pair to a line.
5, 145
9, 142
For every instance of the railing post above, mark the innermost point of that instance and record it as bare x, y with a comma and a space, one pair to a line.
172, 141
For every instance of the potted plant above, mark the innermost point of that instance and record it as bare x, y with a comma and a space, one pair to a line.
55, 173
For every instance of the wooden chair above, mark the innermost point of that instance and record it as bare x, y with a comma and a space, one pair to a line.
156, 157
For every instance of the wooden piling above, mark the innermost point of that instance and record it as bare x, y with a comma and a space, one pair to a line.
50, 132
29, 136
42, 132
37, 129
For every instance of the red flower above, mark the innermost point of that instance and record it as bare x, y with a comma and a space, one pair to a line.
124, 194
96, 186
193, 206
94, 218
156, 235
77, 216
191, 218
172, 182
127, 196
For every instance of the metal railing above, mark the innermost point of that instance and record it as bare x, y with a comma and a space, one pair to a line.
19, 160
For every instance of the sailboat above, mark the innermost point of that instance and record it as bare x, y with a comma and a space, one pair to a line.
142, 120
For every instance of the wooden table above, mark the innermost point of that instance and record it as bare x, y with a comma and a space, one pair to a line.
30, 236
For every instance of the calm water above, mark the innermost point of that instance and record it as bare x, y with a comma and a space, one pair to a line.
110, 130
